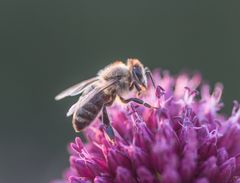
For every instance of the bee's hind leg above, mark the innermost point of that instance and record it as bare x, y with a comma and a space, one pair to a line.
138, 101
106, 122
105, 118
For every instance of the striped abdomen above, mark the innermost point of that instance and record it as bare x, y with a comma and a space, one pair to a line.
88, 111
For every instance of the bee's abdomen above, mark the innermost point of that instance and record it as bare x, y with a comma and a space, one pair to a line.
87, 112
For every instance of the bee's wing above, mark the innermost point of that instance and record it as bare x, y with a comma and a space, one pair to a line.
91, 94
75, 89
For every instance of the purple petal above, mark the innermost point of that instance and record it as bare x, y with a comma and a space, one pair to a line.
222, 155
124, 175
201, 180
144, 175
209, 168
226, 170
162, 154
102, 179
208, 148
78, 180
237, 164
170, 175
143, 137
78, 145
139, 157
237, 180
117, 158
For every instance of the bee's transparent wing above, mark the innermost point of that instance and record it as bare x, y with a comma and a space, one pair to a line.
72, 109
85, 98
75, 89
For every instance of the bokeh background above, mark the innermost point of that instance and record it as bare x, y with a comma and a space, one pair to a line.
48, 45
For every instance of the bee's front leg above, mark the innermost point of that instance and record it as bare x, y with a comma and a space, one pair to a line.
149, 74
134, 84
138, 88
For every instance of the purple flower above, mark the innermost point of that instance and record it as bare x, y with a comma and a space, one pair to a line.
185, 140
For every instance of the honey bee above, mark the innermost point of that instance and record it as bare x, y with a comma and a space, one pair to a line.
101, 91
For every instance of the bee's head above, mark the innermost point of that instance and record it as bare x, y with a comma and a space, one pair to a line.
138, 72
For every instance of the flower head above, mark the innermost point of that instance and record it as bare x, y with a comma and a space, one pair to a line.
184, 140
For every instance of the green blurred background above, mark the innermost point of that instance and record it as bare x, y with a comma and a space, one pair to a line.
47, 45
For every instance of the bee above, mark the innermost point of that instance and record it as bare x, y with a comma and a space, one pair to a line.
98, 92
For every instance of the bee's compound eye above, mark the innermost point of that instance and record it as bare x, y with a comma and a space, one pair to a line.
137, 73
